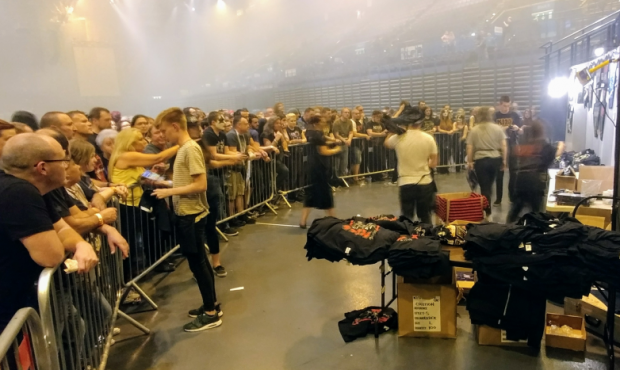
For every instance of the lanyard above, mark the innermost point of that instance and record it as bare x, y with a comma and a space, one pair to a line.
243, 147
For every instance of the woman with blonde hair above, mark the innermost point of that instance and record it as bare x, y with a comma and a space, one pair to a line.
444, 139
126, 167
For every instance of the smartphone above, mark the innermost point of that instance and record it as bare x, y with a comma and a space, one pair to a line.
151, 176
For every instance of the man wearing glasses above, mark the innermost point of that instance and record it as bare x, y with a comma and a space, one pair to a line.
32, 234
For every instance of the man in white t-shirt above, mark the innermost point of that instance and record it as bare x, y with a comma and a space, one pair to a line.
416, 152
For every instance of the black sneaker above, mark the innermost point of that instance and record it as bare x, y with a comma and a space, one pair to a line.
497, 204
201, 311
203, 322
237, 223
229, 231
166, 267
247, 219
220, 271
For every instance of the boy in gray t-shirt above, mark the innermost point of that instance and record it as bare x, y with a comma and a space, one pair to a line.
190, 205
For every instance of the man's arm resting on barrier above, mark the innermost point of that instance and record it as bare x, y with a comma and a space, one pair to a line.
115, 240
45, 248
228, 154
220, 164
375, 134
325, 151
99, 201
83, 222
83, 252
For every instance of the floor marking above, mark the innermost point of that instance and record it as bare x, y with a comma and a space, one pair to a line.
282, 225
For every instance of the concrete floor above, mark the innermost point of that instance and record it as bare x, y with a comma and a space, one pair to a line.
286, 315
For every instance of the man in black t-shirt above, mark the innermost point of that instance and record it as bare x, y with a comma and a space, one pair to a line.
511, 122
377, 154
216, 143
32, 234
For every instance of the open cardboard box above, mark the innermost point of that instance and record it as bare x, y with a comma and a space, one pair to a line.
565, 342
603, 173
488, 336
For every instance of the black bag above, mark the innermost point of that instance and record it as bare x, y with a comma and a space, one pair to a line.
359, 323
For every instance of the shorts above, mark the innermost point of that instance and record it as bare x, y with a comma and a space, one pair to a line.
356, 155
235, 185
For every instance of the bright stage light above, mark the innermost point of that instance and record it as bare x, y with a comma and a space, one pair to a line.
558, 87
221, 4
599, 51
69, 10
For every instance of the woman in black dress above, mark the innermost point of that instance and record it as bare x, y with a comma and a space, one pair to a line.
319, 194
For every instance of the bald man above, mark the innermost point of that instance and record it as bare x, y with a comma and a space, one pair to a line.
7, 131
32, 234
96, 219
61, 121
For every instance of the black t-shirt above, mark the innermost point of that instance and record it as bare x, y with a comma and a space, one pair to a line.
507, 119
271, 137
216, 140
375, 127
61, 201
294, 133
23, 212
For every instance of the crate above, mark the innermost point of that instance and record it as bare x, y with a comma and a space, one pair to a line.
460, 206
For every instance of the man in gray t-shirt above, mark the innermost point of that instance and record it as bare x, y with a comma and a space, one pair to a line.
486, 154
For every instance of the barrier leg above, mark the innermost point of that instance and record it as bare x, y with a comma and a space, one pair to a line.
221, 234
142, 294
271, 208
133, 322
283, 196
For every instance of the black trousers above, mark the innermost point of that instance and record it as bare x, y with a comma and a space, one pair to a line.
190, 236
214, 196
418, 199
524, 199
282, 174
487, 170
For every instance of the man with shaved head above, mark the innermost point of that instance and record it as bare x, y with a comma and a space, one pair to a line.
61, 121
96, 219
32, 234
7, 131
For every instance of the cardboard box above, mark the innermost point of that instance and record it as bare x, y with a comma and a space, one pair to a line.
565, 182
448, 278
488, 336
565, 342
603, 173
427, 310
594, 312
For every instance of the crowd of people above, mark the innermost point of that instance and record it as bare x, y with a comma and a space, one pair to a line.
59, 173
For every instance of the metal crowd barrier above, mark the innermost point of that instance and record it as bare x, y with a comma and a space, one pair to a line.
451, 151
369, 157
78, 311
297, 179
22, 344
258, 178
147, 225
364, 158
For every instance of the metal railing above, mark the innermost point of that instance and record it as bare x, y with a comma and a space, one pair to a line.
78, 311
147, 225
22, 343
252, 183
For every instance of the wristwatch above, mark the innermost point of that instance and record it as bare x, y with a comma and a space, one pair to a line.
100, 217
